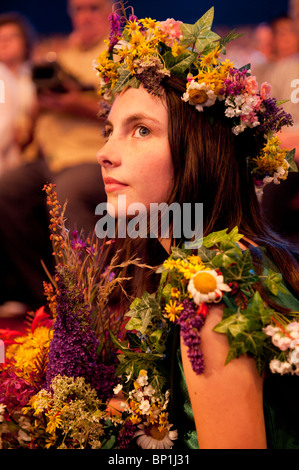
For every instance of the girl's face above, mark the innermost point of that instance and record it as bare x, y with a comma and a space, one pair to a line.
136, 159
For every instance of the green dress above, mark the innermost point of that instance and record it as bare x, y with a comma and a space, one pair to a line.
281, 394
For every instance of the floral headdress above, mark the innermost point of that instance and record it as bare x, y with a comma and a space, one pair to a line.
145, 51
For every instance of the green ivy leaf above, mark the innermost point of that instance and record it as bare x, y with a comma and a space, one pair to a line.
216, 237
124, 77
242, 271
134, 82
199, 35
182, 63
273, 282
142, 313
290, 159
231, 36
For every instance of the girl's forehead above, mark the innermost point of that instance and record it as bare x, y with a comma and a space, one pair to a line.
138, 101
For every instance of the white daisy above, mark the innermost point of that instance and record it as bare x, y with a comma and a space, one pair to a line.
149, 437
207, 286
199, 95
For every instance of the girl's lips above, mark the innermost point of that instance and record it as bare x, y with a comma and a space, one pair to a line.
112, 184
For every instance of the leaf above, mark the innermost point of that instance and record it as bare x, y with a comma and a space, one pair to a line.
134, 82
199, 35
222, 235
231, 36
230, 319
205, 40
142, 313
245, 67
110, 443
183, 63
178, 253
124, 77
273, 282
230, 253
290, 159
234, 235
243, 271
215, 237
257, 308
166, 293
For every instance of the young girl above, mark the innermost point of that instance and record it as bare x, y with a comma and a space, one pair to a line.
186, 126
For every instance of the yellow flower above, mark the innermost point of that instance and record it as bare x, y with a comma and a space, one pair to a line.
149, 23
26, 350
173, 310
175, 292
171, 263
132, 26
163, 421
210, 59
271, 157
135, 419
194, 259
54, 422
177, 49
189, 269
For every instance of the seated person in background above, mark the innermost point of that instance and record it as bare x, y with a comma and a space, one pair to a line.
16, 43
67, 130
66, 138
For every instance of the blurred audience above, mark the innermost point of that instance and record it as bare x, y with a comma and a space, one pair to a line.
9, 150
16, 43
66, 137
281, 202
281, 71
68, 131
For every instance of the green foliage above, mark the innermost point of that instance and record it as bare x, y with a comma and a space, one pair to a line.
199, 35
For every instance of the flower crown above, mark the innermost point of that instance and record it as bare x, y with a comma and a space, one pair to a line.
145, 51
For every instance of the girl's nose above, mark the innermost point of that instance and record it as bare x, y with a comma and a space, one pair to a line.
109, 155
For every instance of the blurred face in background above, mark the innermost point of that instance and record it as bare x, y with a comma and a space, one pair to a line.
12, 45
285, 38
90, 19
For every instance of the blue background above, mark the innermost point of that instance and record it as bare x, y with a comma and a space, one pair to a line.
51, 16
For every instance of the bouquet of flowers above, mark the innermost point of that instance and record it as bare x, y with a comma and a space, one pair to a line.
59, 374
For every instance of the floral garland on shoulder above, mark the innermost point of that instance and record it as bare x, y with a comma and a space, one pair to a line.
190, 284
73, 380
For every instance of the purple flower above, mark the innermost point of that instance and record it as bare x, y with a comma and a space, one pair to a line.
191, 323
115, 30
77, 243
126, 434
236, 83
273, 118
73, 349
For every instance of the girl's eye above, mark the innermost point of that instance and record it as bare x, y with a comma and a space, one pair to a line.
141, 131
107, 133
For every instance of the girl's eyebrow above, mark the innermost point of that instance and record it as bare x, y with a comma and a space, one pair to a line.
135, 118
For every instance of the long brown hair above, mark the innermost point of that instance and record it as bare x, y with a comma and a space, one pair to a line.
210, 167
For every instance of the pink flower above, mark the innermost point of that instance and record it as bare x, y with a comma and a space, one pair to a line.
265, 90
251, 85
172, 29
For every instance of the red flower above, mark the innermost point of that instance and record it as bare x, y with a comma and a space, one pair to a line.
41, 318
203, 310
